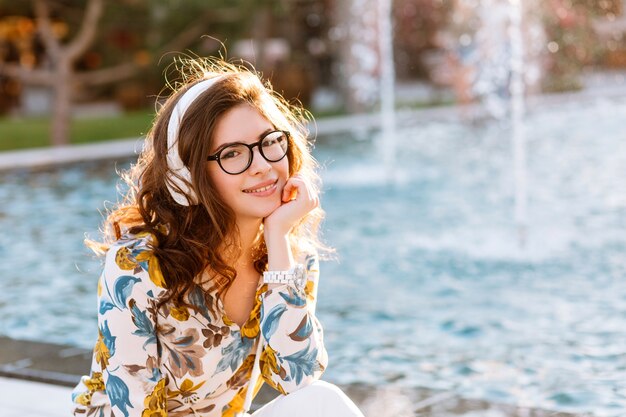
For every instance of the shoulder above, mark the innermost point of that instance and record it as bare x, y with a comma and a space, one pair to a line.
141, 241
132, 257
128, 252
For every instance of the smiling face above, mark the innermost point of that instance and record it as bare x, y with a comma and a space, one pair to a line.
256, 192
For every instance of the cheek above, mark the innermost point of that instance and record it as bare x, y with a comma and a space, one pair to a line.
223, 184
284, 168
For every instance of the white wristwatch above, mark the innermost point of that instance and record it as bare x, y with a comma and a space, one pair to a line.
295, 276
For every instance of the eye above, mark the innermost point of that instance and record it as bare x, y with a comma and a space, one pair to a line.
273, 139
230, 153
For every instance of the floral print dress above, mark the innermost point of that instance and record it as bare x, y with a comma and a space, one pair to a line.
152, 361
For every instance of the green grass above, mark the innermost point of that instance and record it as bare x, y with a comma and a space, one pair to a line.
25, 133
329, 113
418, 105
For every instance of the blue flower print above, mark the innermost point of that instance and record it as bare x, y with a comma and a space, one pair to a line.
302, 363
144, 325
234, 353
107, 338
118, 393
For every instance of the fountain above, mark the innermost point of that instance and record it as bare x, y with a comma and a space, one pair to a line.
517, 122
499, 82
387, 87
495, 45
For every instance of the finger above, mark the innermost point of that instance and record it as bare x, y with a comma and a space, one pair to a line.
296, 182
308, 192
289, 191
294, 194
297, 188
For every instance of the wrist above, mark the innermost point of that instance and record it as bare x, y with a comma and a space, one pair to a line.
279, 256
274, 231
275, 238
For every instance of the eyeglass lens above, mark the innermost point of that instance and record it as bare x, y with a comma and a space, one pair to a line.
237, 158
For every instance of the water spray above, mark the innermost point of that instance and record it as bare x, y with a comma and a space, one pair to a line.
387, 88
517, 123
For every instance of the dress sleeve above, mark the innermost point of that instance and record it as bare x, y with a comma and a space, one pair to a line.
127, 347
293, 353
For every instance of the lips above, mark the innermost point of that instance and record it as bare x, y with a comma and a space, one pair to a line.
262, 188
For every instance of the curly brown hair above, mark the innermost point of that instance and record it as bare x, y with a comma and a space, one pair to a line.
189, 239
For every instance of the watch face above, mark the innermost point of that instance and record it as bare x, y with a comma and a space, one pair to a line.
300, 277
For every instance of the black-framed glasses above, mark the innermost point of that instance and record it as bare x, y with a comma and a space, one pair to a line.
237, 157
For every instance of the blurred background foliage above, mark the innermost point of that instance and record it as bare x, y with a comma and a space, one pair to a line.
300, 45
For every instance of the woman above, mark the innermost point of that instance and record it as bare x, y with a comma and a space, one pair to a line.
212, 264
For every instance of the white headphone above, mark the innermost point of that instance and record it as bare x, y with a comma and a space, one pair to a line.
179, 176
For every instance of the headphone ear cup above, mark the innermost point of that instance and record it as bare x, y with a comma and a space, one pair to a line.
179, 178
179, 185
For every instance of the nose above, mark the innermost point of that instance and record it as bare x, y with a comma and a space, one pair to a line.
259, 165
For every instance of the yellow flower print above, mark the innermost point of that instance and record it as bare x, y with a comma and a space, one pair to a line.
180, 313
155, 404
235, 405
151, 237
309, 290
93, 384
124, 260
101, 351
269, 366
154, 270
83, 399
227, 321
99, 287
187, 391
268, 361
251, 327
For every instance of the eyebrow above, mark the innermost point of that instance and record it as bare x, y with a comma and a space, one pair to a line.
227, 144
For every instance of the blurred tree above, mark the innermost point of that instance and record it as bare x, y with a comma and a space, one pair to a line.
572, 41
416, 26
60, 59
307, 65
74, 45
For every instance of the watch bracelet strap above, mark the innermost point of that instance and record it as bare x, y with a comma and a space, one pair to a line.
284, 277
278, 277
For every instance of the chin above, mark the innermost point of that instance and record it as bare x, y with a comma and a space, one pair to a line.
263, 212
271, 209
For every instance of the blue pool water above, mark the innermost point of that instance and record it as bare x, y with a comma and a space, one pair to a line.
430, 287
